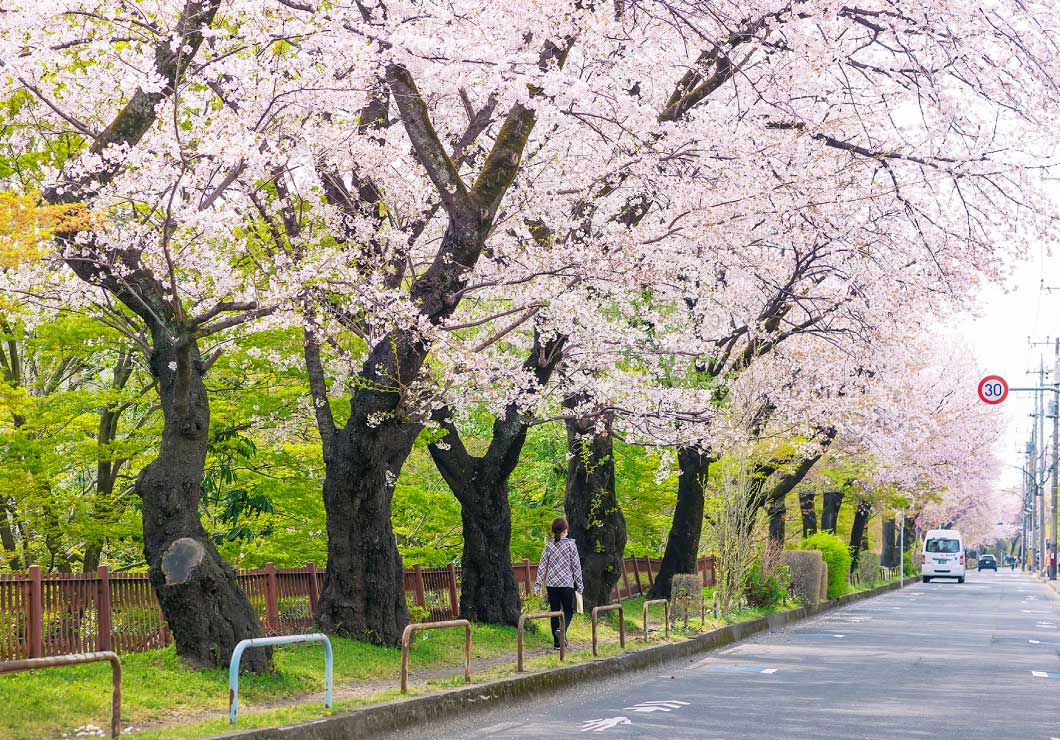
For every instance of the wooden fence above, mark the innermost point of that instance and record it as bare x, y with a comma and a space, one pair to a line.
60, 613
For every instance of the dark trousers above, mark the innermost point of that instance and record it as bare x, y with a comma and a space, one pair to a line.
560, 597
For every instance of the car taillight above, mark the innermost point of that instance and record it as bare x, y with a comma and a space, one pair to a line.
962, 559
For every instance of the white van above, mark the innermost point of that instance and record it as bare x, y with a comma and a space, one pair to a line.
943, 555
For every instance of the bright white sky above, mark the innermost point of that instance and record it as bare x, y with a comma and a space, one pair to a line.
1009, 320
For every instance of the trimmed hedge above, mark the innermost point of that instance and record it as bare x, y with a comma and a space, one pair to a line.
808, 571
836, 558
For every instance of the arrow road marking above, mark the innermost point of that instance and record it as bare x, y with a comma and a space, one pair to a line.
667, 705
599, 725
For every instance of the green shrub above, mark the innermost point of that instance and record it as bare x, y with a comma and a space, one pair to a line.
686, 595
806, 571
868, 566
836, 558
767, 586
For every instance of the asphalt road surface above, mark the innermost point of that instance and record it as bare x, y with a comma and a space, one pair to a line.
939, 660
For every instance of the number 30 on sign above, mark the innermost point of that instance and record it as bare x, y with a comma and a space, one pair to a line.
993, 389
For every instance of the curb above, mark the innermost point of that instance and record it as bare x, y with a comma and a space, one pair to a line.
403, 713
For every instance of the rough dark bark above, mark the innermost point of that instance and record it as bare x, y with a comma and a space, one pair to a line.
776, 498
888, 555
595, 519
363, 594
202, 602
7, 536
808, 511
858, 531
831, 504
488, 591
682, 544
206, 609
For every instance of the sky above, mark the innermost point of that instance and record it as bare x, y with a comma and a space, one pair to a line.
1001, 333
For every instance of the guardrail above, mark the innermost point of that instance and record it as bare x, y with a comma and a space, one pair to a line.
621, 622
29, 664
666, 615
541, 615
413, 628
237, 655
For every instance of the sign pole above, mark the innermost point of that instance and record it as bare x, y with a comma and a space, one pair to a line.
901, 553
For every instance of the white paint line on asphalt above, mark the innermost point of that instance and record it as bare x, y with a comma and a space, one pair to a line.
599, 725
1044, 674
1035, 611
742, 669
1043, 642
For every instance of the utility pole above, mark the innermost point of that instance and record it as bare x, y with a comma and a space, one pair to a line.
1054, 413
1027, 511
1042, 470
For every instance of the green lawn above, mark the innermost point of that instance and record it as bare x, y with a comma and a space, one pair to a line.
166, 701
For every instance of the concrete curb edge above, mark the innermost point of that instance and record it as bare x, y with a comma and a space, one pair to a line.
379, 718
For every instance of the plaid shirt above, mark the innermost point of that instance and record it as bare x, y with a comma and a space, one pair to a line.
559, 565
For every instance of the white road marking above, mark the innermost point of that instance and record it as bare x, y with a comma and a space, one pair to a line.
599, 725
657, 706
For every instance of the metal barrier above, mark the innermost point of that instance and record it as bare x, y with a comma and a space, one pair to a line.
666, 615
237, 655
621, 622
702, 609
412, 628
29, 664
541, 615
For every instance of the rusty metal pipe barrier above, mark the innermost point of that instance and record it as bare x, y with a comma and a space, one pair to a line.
702, 609
541, 615
666, 617
407, 635
29, 664
621, 623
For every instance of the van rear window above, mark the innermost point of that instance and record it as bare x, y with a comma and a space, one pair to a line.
943, 545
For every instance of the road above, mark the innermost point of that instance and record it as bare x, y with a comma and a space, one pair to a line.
937, 660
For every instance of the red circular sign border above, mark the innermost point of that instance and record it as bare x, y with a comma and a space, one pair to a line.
986, 380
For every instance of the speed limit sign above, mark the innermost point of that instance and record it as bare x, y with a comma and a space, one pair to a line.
993, 389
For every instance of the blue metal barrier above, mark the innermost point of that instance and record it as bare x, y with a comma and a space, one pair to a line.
237, 655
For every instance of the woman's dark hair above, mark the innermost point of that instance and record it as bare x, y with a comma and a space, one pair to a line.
559, 526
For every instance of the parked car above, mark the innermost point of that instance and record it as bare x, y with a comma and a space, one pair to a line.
943, 555
988, 561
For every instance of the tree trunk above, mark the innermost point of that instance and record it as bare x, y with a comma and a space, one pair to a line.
858, 531
682, 544
596, 521
489, 592
777, 496
107, 467
808, 510
488, 589
364, 584
888, 556
206, 610
7, 536
833, 500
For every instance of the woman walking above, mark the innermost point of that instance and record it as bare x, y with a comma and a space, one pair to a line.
561, 571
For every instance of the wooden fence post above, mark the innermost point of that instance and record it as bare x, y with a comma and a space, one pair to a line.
104, 616
417, 584
35, 613
651, 578
454, 603
272, 599
314, 593
625, 580
527, 587
636, 576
